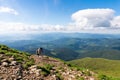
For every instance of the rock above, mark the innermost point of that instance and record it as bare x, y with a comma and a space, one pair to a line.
68, 73
72, 76
34, 66
1, 55
63, 73
91, 78
85, 77
33, 70
26, 72
69, 79
79, 75
19, 77
4, 79
4, 60
54, 76
1, 77
45, 57
13, 63
5, 64
13, 76
37, 72
11, 59
92, 73
53, 68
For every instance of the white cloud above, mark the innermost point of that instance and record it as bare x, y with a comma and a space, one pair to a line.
26, 28
8, 10
92, 18
88, 20
12, 28
116, 22
95, 21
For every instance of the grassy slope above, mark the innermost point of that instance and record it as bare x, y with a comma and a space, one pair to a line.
104, 66
26, 61
100, 65
20, 57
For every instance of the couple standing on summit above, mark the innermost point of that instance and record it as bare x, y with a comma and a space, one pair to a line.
39, 51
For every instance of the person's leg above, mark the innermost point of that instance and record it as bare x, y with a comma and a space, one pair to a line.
38, 54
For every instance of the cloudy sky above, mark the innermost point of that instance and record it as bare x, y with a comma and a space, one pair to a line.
36, 16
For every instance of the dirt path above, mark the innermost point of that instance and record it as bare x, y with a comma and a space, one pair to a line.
45, 59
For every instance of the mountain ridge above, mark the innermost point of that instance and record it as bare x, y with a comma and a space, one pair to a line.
17, 65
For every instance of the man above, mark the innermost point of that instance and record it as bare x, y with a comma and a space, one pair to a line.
39, 51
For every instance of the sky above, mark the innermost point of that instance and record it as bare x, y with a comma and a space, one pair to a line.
37, 16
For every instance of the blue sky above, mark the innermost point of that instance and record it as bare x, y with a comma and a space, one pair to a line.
53, 12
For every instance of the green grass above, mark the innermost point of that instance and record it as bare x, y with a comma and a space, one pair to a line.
45, 68
59, 76
99, 65
20, 57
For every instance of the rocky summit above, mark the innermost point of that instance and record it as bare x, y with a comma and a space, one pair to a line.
17, 65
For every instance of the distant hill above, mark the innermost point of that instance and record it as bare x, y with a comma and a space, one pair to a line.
64, 53
73, 48
100, 65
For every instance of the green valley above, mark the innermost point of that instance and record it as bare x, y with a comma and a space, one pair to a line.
73, 48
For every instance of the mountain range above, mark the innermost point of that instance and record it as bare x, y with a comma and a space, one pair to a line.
70, 46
